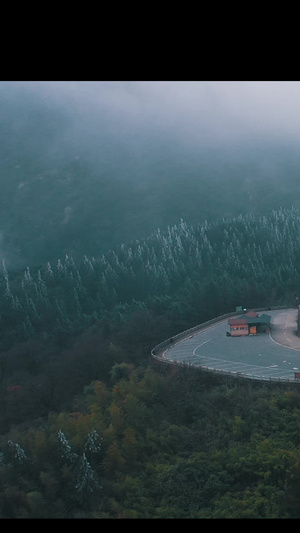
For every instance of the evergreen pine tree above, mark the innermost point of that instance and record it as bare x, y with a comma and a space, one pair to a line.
87, 482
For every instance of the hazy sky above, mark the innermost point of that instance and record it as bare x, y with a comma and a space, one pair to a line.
148, 136
217, 110
193, 112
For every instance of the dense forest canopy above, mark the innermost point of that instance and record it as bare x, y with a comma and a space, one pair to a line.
205, 270
78, 387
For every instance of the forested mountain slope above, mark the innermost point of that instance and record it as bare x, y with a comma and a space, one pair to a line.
130, 212
152, 445
88, 429
60, 316
208, 269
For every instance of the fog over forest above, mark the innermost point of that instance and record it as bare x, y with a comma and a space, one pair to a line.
131, 211
86, 166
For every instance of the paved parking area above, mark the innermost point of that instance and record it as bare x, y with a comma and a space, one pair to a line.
265, 356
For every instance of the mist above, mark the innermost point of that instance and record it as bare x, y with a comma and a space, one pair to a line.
136, 117
205, 111
87, 165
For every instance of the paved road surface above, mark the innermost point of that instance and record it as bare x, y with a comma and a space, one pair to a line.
264, 356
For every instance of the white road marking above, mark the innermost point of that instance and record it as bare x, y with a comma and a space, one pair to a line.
205, 342
283, 345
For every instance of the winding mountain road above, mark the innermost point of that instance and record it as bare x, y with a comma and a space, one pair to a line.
264, 357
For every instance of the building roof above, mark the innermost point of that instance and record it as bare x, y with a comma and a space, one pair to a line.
237, 320
250, 318
252, 313
260, 319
